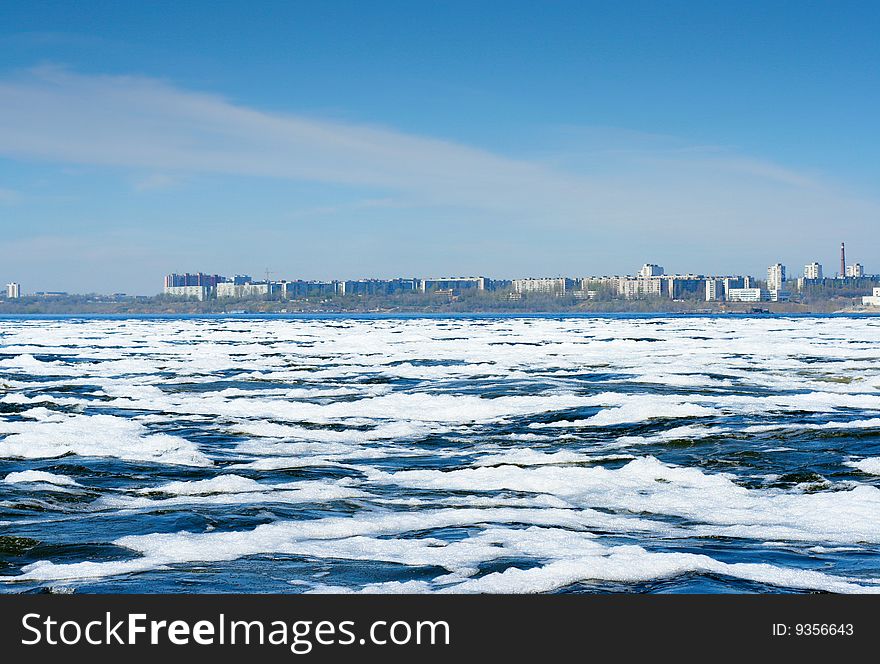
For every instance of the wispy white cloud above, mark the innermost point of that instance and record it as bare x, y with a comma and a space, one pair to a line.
651, 187
148, 124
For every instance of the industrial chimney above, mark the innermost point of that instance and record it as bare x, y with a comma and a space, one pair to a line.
842, 261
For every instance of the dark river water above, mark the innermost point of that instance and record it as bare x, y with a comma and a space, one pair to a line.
465, 454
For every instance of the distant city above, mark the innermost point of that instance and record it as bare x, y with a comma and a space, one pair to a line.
651, 281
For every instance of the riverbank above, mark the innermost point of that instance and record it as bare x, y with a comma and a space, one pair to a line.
163, 306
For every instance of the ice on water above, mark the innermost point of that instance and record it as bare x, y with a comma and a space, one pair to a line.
456, 455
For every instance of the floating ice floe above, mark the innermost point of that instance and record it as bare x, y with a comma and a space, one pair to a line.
32, 476
96, 436
870, 465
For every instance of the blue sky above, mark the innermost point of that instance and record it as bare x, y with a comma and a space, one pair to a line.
350, 139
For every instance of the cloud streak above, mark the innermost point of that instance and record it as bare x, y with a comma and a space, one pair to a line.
144, 123
159, 134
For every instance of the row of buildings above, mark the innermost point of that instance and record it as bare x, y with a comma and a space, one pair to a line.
650, 282
203, 286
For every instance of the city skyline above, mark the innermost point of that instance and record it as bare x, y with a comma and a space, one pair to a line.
651, 280
777, 275
135, 141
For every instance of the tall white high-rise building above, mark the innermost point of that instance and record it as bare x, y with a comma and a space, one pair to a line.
813, 271
13, 291
776, 277
651, 270
855, 270
713, 290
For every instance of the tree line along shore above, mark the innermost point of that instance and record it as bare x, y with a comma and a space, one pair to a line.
412, 303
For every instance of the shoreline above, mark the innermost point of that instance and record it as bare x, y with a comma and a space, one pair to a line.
133, 306
431, 314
